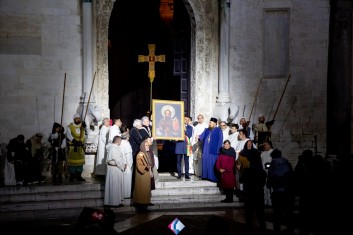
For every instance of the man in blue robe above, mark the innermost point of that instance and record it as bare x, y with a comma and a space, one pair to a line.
212, 139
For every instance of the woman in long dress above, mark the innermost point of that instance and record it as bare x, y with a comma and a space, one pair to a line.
225, 165
143, 175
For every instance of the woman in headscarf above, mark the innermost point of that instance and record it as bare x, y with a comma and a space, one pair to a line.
143, 175
225, 165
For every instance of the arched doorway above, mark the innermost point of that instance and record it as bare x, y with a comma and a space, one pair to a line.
133, 25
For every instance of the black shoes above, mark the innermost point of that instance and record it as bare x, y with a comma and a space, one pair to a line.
186, 177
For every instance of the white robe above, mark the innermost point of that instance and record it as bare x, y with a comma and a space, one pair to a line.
101, 166
197, 148
114, 180
113, 131
225, 133
127, 152
233, 139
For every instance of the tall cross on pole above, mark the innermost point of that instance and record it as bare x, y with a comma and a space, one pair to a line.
151, 58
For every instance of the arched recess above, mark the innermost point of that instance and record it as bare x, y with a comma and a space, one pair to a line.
203, 56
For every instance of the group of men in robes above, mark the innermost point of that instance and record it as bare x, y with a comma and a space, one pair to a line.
211, 140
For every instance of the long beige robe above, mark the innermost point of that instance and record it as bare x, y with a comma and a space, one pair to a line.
142, 189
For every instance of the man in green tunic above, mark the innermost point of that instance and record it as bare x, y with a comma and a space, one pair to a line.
75, 138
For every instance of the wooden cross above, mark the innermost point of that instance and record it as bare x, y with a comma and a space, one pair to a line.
151, 58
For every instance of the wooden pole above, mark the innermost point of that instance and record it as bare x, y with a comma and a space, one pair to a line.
151, 96
89, 97
83, 104
63, 99
37, 113
285, 87
253, 105
61, 123
315, 138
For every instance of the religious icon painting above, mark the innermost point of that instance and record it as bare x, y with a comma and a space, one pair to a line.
168, 120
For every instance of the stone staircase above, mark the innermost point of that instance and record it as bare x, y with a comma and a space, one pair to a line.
49, 202
173, 193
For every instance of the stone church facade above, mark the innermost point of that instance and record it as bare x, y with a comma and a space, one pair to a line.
242, 56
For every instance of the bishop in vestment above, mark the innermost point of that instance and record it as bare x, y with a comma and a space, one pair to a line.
212, 139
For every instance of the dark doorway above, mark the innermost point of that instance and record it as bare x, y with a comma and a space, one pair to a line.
133, 25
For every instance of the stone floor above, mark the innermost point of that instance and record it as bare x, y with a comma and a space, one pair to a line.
151, 222
195, 220
133, 222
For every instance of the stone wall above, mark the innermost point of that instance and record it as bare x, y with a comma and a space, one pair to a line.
301, 115
40, 42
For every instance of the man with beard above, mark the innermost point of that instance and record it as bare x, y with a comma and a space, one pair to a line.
168, 126
76, 137
212, 139
262, 131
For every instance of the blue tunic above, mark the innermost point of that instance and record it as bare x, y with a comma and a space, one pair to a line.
212, 143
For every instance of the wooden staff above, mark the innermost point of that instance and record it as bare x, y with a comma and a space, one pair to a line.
83, 104
62, 105
37, 113
89, 97
315, 137
61, 123
62, 113
253, 105
285, 87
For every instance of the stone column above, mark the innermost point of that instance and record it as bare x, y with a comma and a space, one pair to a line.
222, 105
339, 79
87, 47
223, 67
87, 66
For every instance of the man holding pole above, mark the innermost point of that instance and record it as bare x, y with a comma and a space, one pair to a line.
57, 153
75, 138
262, 131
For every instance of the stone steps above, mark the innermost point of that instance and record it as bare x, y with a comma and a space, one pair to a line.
48, 201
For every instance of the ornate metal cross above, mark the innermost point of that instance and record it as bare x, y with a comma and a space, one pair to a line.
151, 58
